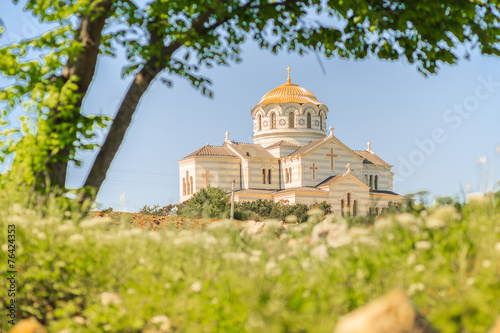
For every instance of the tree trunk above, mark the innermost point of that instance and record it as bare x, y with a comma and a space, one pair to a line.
120, 125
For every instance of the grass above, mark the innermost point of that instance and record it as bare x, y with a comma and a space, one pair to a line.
93, 276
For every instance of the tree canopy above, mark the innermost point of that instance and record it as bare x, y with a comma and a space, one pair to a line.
53, 72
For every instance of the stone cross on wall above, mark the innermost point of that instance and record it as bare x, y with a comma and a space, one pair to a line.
314, 168
206, 175
331, 155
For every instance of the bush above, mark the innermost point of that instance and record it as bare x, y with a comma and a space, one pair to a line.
156, 210
211, 203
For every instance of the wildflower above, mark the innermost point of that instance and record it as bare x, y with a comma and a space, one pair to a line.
335, 234
470, 281
435, 224
422, 245
272, 268
79, 320
94, 222
76, 238
419, 268
5, 247
486, 263
196, 287
497, 246
66, 227
109, 298
236, 256
158, 324
477, 199
382, 224
414, 287
320, 252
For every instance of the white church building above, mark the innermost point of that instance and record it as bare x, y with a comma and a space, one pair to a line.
292, 158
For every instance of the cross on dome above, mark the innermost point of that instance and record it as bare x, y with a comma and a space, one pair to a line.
288, 70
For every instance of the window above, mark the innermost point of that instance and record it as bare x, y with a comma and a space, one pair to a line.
263, 176
348, 204
291, 119
371, 181
260, 122
342, 206
187, 182
273, 120
376, 211
376, 182
183, 186
320, 121
269, 176
191, 183
355, 208
286, 176
290, 175
308, 120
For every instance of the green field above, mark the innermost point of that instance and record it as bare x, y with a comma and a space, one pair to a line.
94, 276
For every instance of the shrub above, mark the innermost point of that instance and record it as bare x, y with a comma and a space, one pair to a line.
156, 210
211, 203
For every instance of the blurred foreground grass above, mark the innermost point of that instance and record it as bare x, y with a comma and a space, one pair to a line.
89, 275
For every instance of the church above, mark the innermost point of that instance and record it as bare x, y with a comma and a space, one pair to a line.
292, 158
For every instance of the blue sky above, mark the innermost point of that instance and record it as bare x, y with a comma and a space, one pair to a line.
441, 133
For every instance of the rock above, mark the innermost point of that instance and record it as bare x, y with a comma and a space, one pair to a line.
496, 327
392, 313
28, 326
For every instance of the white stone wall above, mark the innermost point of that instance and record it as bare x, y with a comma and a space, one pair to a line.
358, 192
384, 176
323, 163
222, 171
299, 134
253, 170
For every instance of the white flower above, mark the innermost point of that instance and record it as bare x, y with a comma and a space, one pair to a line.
79, 320
497, 246
154, 236
406, 219
435, 224
470, 281
272, 268
422, 245
66, 227
5, 247
486, 263
109, 298
320, 252
414, 287
419, 268
236, 256
477, 199
76, 238
382, 224
158, 324
94, 222
335, 234
196, 287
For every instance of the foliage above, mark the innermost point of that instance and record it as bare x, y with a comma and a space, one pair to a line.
212, 203
52, 72
91, 276
263, 209
156, 210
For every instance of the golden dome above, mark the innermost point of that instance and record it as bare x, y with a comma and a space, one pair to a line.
289, 93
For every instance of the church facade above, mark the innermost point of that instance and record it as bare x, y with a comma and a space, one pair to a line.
294, 158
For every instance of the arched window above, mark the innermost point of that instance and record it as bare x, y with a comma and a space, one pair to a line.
342, 206
355, 208
286, 176
290, 175
263, 176
187, 182
191, 183
371, 181
183, 186
260, 122
320, 121
348, 200
376, 182
309, 120
273, 120
291, 119
376, 211
269, 176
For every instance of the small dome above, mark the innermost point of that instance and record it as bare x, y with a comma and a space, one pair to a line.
289, 93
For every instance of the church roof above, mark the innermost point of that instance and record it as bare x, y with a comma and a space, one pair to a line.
308, 147
212, 151
250, 150
289, 92
302, 189
283, 143
370, 158
331, 179
384, 192
254, 191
